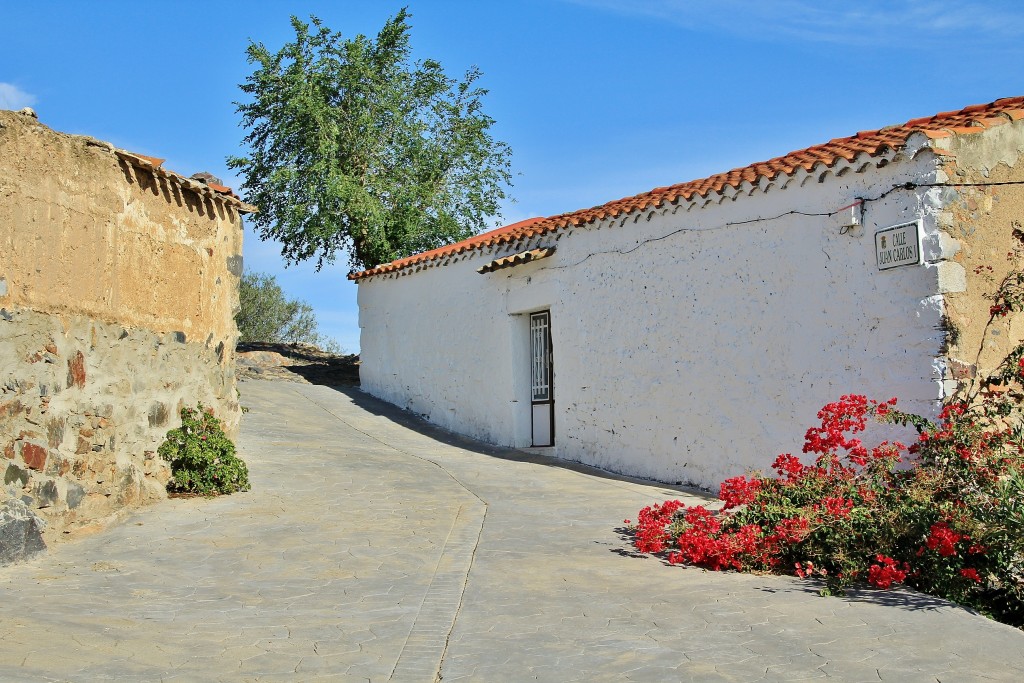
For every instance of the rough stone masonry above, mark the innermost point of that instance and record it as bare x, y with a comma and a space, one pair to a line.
118, 283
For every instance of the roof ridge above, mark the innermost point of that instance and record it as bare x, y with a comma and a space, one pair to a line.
971, 119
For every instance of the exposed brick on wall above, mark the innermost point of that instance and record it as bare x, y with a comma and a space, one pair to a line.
979, 221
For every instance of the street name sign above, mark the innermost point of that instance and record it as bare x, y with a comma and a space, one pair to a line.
897, 246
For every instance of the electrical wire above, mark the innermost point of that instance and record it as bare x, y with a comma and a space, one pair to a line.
861, 201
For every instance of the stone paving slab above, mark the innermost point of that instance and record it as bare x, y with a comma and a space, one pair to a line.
373, 547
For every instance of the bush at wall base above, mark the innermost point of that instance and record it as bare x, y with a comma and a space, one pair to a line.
944, 515
202, 457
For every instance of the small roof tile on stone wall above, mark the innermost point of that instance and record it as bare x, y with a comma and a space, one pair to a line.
214, 191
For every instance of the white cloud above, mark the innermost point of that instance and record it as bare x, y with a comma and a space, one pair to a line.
856, 23
13, 97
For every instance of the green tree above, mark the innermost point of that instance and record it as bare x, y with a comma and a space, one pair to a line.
266, 315
354, 147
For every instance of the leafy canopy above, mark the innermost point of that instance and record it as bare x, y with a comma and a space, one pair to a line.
354, 147
266, 314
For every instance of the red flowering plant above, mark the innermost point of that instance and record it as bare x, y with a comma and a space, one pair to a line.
958, 526
815, 520
944, 515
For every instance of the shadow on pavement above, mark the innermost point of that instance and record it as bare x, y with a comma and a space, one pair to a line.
900, 598
416, 423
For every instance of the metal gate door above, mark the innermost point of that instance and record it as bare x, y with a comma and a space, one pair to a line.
541, 380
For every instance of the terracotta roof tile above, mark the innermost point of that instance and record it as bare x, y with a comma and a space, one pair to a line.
516, 259
156, 161
155, 165
965, 130
223, 189
991, 121
973, 119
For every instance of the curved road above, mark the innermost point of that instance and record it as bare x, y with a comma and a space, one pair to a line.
373, 548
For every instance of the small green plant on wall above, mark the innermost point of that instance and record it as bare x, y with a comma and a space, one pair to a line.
202, 457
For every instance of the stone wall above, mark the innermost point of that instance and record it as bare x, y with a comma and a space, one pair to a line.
118, 283
979, 223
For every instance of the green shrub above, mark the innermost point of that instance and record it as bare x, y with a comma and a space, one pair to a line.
266, 314
944, 515
202, 457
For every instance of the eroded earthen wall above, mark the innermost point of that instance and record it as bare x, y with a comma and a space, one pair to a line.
117, 290
984, 207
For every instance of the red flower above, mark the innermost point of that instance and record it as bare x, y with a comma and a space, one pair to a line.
888, 449
943, 540
789, 466
651, 526
952, 410
971, 574
838, 506
791, 530
738, 491
848, 414
887, 572
805, 571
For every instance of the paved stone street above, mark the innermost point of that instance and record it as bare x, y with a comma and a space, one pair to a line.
374, 548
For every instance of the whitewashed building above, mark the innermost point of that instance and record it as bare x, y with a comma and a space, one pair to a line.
691, 333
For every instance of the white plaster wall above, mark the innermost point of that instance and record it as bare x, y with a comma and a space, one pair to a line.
436, 343
685, 349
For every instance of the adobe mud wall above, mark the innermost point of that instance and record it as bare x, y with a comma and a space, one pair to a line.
984, 227
118, 282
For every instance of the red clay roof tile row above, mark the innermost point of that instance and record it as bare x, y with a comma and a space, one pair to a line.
972, 119
516, 259
155, 165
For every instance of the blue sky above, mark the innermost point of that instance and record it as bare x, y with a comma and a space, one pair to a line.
599, 99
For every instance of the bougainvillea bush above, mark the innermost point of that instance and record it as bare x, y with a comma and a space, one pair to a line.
944, 514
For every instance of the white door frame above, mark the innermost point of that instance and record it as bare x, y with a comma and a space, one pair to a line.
542, 375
